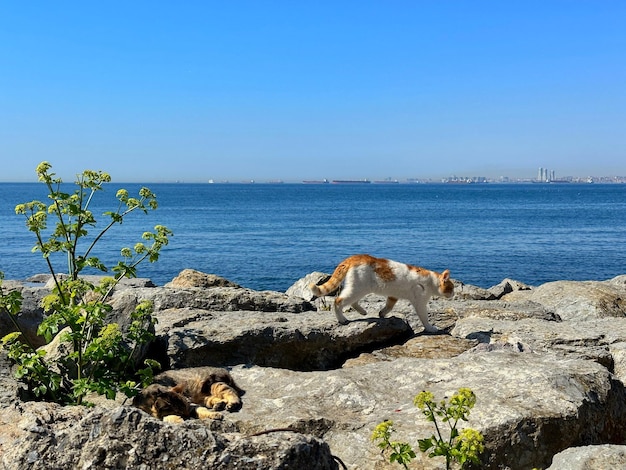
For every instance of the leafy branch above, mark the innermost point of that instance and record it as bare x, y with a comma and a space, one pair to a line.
102, 357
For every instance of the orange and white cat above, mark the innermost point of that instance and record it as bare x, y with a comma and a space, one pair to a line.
364, 274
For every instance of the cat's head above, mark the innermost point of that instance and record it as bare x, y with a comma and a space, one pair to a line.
160, 401
446, 286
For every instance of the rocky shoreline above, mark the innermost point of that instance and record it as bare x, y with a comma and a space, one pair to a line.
547, 364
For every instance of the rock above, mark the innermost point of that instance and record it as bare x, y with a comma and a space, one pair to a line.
599, 457
447, 312
125, 437
506, 287
592, 340
8, 385
618, 355
576, 300
97, 279
528, 407
468, 292
548, 365
193, 278
35, 288
301, 287
306, 341
216, 299
31, 313
425, 347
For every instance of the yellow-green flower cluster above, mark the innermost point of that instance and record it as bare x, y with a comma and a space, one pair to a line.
382, 431
471, 443
423, 399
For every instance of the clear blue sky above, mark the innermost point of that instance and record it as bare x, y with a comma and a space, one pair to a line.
161, 91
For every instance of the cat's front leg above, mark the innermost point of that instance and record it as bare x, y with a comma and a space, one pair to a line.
422, 313
358, 308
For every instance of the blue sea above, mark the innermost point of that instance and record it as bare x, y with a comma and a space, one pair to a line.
267, 236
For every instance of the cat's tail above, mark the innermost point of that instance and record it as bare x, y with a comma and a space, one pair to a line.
333, 283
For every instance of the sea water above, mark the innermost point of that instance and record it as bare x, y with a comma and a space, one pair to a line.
267, 236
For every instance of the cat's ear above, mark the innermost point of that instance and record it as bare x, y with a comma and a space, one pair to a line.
445, 275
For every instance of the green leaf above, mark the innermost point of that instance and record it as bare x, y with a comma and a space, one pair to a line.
10, 338
425, 444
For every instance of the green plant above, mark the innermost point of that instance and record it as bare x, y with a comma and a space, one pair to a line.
461, 446
401, 452
101, 357
464, 446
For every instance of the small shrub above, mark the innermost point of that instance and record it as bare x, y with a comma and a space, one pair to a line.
461, 446
101, 357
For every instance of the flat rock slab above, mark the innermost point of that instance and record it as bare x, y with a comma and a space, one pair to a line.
529, 406
423, 346
125, 437
579, 300
214, 298
304, 341
602, 340
601, 457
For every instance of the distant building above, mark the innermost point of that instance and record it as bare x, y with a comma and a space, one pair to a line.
546, 176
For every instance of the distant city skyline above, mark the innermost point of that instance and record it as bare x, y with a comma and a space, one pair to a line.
539, 174
299, 90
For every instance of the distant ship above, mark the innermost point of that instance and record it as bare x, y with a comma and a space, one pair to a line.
324, 181
550, 181
364, 181
386, 181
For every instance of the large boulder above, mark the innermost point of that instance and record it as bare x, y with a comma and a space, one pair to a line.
31, 314
306, 341
598, 340
548, 365
600, 457
214, 298
35, 288
579, 300
192, 278
125, 437
301, 287
529, 406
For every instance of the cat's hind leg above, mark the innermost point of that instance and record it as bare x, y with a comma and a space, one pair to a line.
338, 309
391, 301
348, 296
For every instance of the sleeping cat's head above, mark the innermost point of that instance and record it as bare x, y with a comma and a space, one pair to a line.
446, 286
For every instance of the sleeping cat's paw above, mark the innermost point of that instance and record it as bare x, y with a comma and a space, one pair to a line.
175, 419
204, 413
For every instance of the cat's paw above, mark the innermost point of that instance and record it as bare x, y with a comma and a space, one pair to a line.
173, 419
204, 413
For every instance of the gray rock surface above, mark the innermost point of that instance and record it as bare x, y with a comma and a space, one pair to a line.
213, 299
193, 278
547, 363
573, 300
600, 457
306, 341
30, 315
529, 406
126, 438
